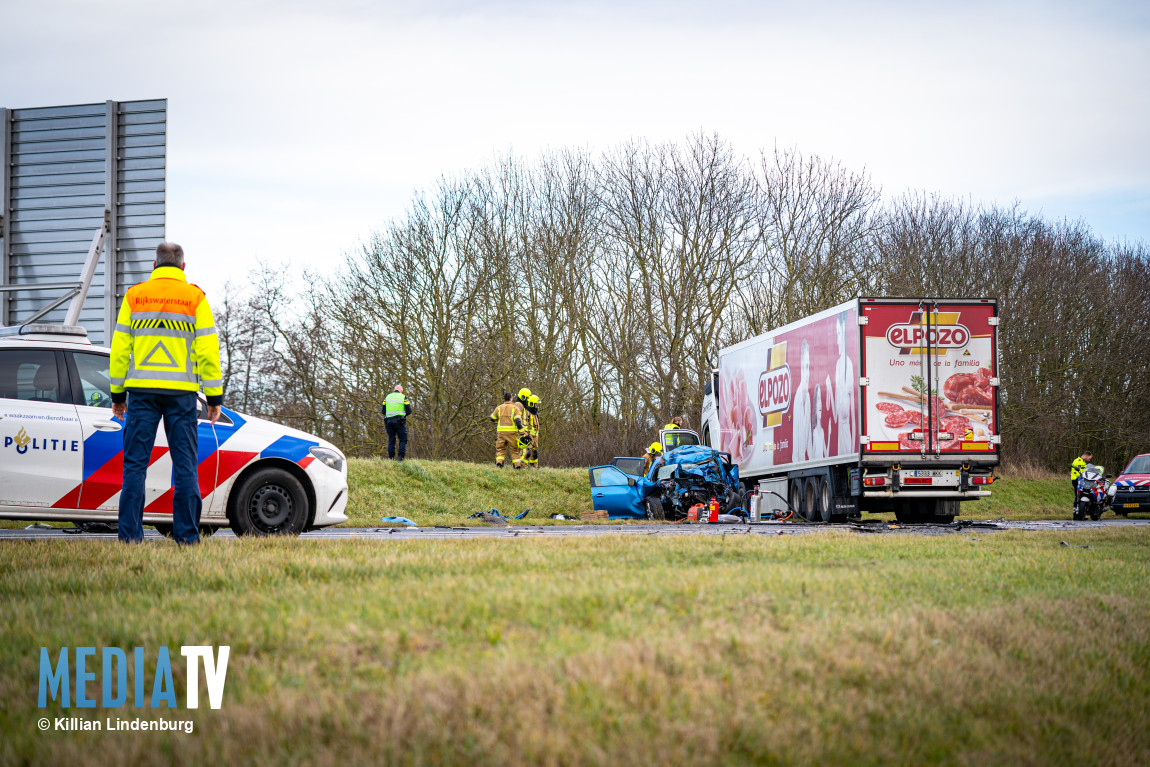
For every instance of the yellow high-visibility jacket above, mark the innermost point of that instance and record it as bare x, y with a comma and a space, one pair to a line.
166, 340
1076, 467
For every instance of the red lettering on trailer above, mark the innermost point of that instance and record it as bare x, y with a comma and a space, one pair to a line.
907, 336
775, 390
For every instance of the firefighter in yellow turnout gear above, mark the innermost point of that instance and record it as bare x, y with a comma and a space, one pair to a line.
508, 424
532, 454
523, 444
653, 452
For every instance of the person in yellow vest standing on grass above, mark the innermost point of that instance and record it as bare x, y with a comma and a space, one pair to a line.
508, 424
396, 409
163, 349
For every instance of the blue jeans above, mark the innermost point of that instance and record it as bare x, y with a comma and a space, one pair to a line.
179, 412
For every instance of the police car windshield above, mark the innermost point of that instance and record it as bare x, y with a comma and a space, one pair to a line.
1140, 465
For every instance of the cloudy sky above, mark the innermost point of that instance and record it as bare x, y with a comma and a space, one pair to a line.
295, 128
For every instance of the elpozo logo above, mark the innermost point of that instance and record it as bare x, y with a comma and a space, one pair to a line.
946, 333
24, 443
775, 386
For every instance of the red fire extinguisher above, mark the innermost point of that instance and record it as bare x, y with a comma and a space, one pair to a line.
713, 511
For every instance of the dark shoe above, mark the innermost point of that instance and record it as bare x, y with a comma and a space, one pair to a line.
401, 459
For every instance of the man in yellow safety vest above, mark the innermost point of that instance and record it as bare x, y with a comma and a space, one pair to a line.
163, 349
1076, 467
396, 409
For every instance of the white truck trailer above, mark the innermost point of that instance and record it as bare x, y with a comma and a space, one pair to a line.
876, 405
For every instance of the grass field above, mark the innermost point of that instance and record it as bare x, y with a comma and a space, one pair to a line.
447, 492
833, 648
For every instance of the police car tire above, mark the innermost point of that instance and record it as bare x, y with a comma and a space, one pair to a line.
269, 502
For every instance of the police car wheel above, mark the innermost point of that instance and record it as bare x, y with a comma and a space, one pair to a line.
270, 502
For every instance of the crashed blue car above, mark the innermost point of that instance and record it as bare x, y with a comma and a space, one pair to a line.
677, 480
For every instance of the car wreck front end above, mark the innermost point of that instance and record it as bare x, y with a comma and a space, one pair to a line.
676, 481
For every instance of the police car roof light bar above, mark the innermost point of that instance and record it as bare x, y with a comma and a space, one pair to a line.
44, 329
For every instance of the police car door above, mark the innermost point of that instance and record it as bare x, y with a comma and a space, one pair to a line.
40, 437
104, 448
103, 436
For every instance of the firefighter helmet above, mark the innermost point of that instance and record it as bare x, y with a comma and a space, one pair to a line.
533, 400
655, 448
524, 393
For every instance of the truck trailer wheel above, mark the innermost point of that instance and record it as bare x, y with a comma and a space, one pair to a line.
811, 511
907, 512
945, 512
796, 495
167, 530
823, 499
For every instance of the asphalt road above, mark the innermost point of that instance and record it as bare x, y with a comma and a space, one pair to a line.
561, 531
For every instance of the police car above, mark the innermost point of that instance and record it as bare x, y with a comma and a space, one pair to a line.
61, 452
1131, 491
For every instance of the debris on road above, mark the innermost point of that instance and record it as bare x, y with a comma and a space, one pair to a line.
492, 517
399, 521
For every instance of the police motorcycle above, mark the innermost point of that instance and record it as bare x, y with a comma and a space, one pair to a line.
1091, 498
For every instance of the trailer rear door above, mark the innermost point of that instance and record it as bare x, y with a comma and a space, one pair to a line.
930, 374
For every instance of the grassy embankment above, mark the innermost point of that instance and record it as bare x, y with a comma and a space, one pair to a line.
1006, 648
447, 492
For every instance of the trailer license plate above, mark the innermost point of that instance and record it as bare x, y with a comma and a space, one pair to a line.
945, 477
